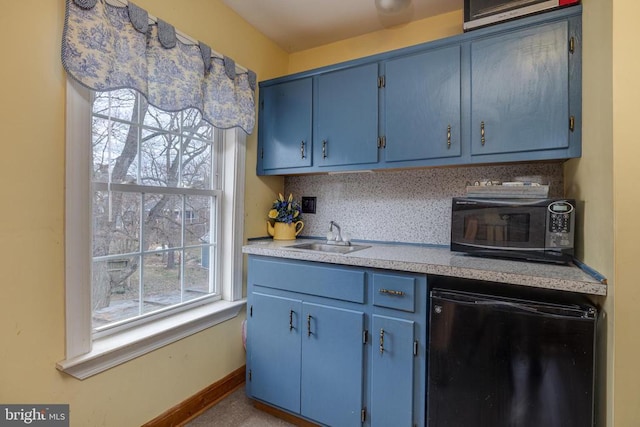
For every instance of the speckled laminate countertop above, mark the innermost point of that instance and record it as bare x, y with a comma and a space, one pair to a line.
443, 262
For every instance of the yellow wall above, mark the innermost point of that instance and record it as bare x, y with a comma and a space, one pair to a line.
32, 112
397, 37
626, 176
31, 223
590, 179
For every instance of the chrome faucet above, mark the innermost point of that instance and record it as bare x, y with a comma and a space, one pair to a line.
338, 240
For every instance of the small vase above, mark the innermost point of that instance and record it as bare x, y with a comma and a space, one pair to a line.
284, 231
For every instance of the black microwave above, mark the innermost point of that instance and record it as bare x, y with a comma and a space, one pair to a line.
527, 229
478, 13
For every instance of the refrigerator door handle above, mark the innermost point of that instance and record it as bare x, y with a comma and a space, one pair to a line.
556, 312
506, 304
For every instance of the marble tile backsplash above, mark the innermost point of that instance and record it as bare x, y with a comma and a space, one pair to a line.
412, 205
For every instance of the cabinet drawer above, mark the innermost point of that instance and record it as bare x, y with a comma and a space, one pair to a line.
394, 291
308, 278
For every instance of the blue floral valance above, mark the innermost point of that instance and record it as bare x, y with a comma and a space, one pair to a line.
106, 47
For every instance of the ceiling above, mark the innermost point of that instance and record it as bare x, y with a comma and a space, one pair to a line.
297, 25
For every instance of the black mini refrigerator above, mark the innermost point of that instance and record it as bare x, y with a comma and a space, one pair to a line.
502, 362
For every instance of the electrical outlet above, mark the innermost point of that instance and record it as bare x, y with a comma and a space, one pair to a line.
309, 205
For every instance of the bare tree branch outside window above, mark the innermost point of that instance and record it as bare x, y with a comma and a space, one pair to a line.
153, 204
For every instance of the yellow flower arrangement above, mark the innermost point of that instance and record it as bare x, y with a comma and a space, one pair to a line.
285, 210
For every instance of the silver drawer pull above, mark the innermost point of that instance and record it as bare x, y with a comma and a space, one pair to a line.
392, 292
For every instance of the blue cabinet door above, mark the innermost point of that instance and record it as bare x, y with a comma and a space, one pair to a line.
332, 365
285, 125
392, 372
346, 122
520, 90
274, 347
422, 105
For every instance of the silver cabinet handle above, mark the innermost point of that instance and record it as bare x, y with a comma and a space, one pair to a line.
448, 136
482, 139
309, 325
391, 292
572, 44
324, 149
381, 341
290, 320
302, 149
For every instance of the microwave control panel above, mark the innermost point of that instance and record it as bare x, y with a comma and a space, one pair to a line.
559, 223
561, 219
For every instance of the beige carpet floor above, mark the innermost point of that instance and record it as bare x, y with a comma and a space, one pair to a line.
236, 410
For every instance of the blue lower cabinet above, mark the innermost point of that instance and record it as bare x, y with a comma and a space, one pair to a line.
332, 365
398, 349
274, 341
337, 345
392, 372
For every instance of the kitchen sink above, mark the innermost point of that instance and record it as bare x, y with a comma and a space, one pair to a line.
323, 247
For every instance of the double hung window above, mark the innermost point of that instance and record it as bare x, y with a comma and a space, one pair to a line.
154, 208
155, 153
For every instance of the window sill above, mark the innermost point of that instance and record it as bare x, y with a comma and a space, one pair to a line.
113, 350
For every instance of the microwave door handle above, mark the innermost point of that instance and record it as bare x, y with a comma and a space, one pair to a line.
471, 229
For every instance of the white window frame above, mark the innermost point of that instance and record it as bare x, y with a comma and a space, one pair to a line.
86, 354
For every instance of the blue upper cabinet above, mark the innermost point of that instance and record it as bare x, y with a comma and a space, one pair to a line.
422, 105
285, 125
346, 119
505, 93
520, 94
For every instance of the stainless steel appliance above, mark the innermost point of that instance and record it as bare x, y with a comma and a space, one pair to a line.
502, 362
478, 13
529, 229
